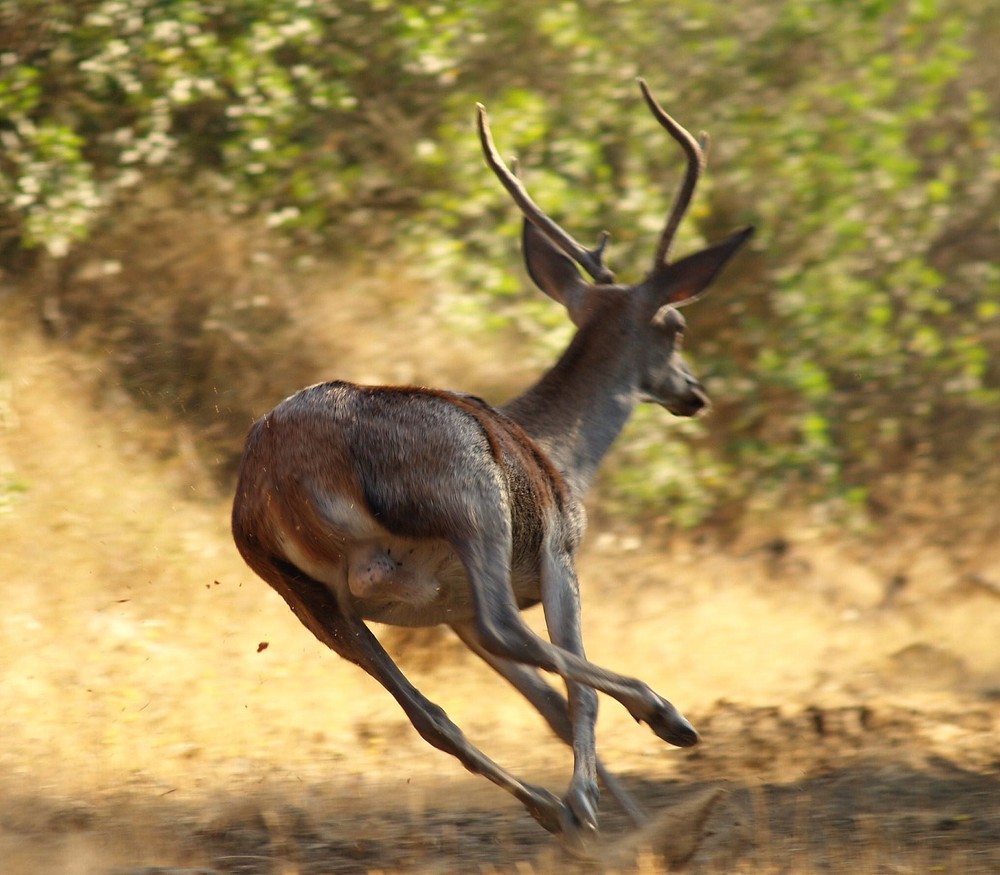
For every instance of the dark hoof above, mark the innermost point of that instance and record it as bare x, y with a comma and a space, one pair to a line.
579, 839
581, 802
579, 821
670, 725
547, 809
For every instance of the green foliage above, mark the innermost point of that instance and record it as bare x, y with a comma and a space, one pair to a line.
11, 491
859, 337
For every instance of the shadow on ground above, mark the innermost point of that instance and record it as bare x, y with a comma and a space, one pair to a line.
857, 789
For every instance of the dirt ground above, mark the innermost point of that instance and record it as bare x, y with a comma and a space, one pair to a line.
162, 711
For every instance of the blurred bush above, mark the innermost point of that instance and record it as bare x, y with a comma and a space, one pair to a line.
857, 340
191, 317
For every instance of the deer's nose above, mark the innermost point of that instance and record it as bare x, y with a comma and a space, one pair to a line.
695, 401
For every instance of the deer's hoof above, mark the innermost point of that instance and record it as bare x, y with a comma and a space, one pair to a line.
670, 725
547, 809
580, 834
581, 804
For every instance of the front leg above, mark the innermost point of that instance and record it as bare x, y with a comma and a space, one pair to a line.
561, 604
552, 705
501, 630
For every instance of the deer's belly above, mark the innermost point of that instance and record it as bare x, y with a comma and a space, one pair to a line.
407, 583
389, 578
417, 583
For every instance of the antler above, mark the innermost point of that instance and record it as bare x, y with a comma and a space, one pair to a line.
695, 151
591, 260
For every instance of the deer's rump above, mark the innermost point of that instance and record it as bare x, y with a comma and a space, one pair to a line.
370, 489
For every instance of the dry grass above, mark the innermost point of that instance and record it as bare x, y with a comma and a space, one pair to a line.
144, 726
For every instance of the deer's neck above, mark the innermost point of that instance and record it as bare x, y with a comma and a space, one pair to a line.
579, 407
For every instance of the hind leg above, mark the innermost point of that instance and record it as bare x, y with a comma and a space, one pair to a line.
346, 634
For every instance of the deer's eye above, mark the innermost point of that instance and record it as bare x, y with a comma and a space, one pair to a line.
669, 320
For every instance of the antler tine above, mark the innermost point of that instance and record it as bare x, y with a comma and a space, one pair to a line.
695, 151
591, 260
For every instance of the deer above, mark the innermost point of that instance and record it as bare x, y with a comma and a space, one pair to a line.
419, 507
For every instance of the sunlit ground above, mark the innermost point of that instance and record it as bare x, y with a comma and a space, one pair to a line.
146, 724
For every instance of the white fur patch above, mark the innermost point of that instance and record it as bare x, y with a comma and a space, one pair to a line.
348, 517
331, 573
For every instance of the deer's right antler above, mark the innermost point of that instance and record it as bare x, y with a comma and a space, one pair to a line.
695, 151
591, 260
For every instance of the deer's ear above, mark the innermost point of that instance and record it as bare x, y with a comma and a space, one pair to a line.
688, 279
553, 272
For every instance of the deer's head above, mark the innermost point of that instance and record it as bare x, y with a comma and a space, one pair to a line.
646, 314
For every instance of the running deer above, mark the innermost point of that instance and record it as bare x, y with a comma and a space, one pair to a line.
417, 507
